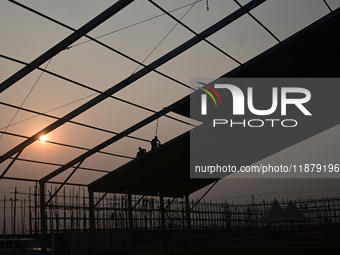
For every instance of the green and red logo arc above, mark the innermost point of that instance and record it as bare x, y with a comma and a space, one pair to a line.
209, 93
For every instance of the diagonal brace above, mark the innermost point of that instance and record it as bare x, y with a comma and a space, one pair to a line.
108, 13
157, 63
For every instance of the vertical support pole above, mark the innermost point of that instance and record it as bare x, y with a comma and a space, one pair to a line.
188, 220
161, 199
64, 199
131, 224
92, 241
23, 212
35, 208
4, 224
42, 217
15, 209
30, 212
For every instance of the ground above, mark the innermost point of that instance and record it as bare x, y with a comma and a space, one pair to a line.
330, 247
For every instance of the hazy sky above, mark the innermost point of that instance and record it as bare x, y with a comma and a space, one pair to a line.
24, 36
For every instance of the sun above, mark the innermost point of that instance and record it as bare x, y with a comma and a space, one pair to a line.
43, 138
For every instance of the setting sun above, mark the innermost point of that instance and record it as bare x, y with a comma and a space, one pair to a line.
43, 138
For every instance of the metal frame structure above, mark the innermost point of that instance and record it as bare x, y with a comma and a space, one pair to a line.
15, 152
115, 8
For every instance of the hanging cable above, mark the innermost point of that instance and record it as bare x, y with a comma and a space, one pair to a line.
29, 93
137, 23
165, 36
157, 127
124, 83
207, 5
192, 31
89, 88
98, 42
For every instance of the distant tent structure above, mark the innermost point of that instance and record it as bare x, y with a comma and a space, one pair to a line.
295, 213
275, 214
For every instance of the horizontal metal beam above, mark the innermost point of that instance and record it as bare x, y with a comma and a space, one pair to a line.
92, 89
68, 146
49, 182
63, 184
157, 63
10, 164
192, 31
96, 41
115, 8
113, 139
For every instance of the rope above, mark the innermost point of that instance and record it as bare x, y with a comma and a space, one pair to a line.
165, 35
89, 88
137, 23
192, 31
98, 42
157, 127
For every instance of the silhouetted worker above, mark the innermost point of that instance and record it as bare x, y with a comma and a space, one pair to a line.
155, 143
140, 152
